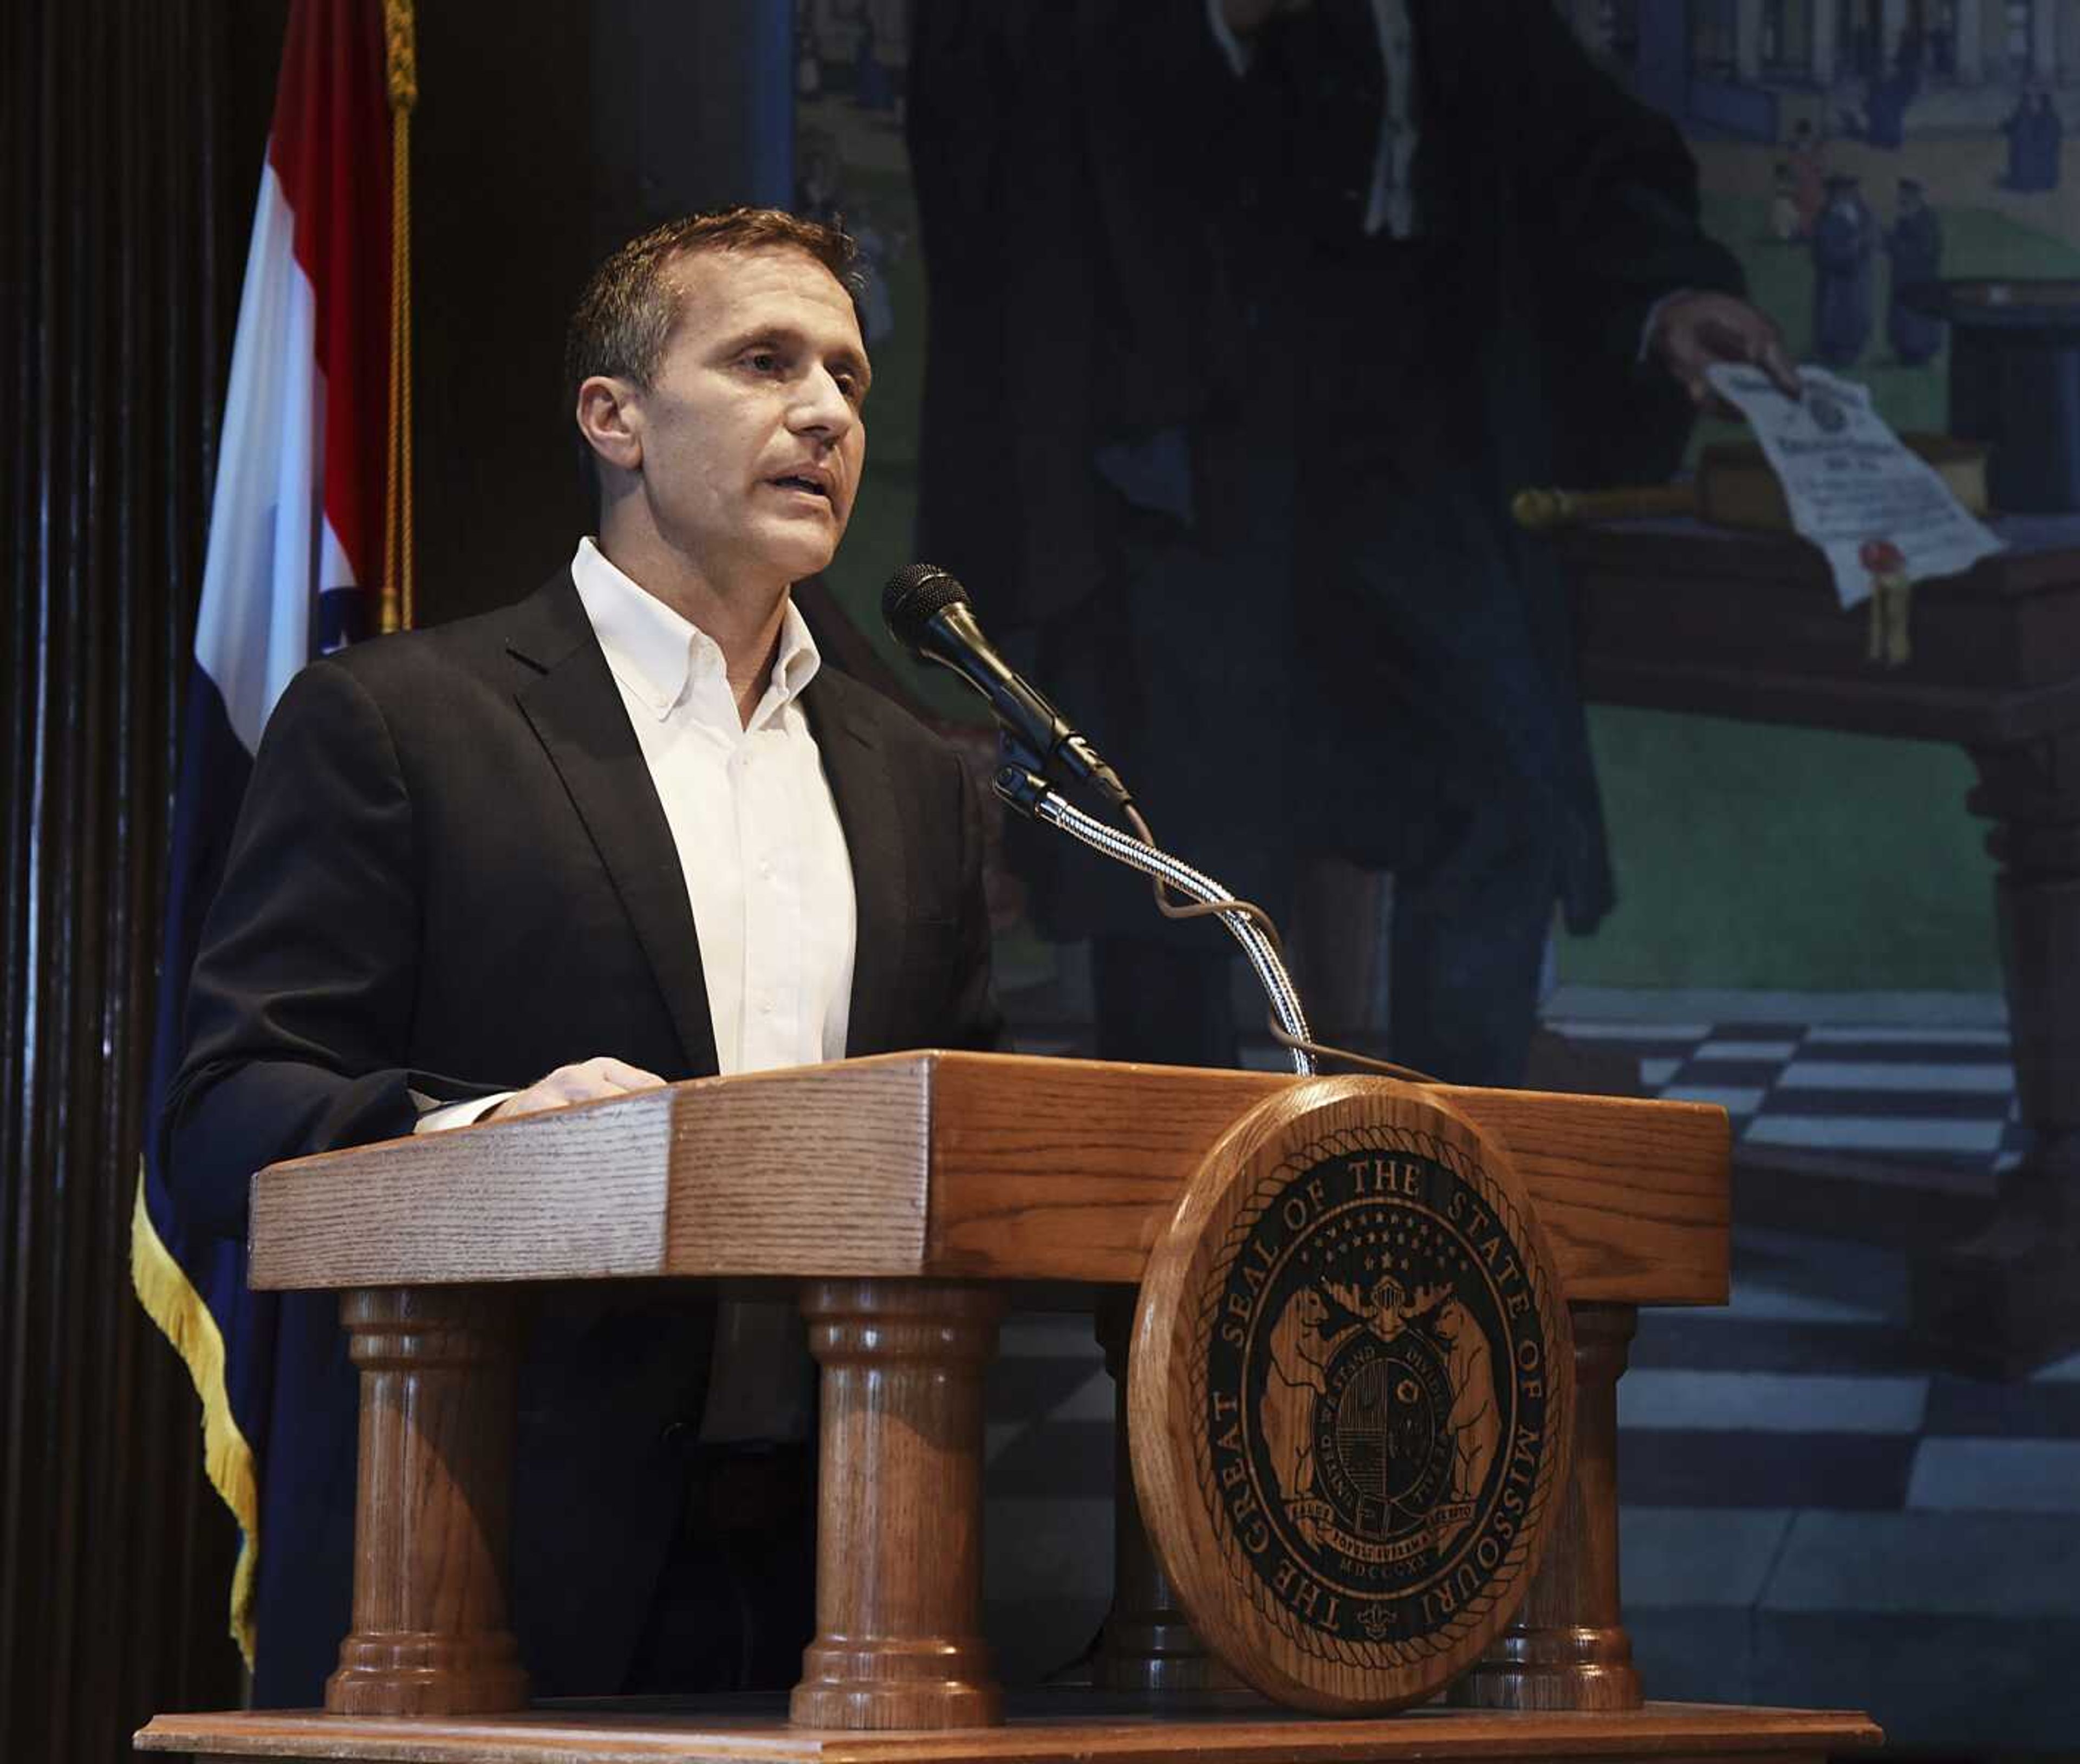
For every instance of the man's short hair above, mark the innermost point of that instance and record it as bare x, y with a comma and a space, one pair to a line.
625, 318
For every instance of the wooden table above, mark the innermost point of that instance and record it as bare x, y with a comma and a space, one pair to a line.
1677, 616
910, 1197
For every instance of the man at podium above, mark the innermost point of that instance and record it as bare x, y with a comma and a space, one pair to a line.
628, 831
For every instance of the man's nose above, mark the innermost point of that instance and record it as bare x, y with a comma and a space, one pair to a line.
823, 407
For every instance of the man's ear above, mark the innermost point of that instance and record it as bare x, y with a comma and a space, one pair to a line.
610, 416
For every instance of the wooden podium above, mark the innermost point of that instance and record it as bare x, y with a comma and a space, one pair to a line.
909, 1197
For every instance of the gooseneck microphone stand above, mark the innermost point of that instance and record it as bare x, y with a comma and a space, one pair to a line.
1020, 787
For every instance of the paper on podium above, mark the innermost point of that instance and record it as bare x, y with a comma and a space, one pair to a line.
1854, 488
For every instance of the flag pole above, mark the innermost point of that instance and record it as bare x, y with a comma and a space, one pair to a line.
395, 607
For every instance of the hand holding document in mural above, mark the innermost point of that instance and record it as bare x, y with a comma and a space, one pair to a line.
1883, 518
1691, 332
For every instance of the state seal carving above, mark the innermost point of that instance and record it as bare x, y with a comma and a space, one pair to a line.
1366, 1387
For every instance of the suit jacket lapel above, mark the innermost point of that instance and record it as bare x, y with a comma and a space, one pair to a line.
870, 813
570, 698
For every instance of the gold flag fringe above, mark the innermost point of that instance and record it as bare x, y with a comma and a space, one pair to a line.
171, 1302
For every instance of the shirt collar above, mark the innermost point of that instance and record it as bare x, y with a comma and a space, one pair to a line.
657, 654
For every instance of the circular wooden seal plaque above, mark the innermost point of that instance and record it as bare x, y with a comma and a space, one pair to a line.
1351, 1399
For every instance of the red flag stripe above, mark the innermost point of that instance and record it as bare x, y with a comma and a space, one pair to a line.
330, 148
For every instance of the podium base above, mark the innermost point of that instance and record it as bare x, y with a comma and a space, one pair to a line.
1042, 1727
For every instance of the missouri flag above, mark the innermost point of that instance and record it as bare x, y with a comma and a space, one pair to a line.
296, 540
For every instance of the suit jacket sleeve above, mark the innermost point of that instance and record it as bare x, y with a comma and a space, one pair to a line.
1607, 196
1611, 184
300, 1008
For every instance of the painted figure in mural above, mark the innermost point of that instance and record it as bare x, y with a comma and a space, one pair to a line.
817, 196
1244, 328
2016, 127
2046, 142
1809, 169
808, 65
2037, 139
877, 251
872, 88
1784, 220
1914, 244
1844, 244
1883, 121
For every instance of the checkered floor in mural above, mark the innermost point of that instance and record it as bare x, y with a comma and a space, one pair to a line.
1934, 1095
1937, 1096
1815, 1513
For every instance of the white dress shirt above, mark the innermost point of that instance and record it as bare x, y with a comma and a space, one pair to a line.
767, 873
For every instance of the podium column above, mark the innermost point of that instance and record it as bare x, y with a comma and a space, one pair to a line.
1567, 1648
898, 1538
432, 1522
1147, 1643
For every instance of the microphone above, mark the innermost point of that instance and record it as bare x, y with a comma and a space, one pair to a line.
928, 612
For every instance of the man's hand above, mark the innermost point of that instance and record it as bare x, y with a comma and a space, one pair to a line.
585, 1082
1692, 331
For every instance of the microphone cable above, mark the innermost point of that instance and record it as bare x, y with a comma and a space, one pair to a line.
1181, 909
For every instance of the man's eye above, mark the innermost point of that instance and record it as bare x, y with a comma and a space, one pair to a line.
764, 361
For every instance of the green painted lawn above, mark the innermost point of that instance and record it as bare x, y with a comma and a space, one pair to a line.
1755, 856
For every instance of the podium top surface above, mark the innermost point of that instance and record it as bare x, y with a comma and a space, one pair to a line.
948, 1166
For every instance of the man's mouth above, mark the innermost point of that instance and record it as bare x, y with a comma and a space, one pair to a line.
807, 482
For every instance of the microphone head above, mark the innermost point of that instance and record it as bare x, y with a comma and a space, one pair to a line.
915, 594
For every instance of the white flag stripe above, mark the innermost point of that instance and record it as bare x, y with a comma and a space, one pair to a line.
268, 537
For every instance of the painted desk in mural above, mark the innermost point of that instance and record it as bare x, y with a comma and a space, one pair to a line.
1677, 616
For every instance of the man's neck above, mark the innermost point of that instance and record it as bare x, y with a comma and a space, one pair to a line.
742, 616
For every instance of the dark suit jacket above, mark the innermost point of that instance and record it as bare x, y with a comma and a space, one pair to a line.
452, 874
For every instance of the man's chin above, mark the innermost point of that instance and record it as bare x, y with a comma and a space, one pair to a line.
800, 554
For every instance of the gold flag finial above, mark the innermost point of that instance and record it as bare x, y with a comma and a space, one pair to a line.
400, 44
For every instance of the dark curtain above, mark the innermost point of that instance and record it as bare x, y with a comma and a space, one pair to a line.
127, 135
